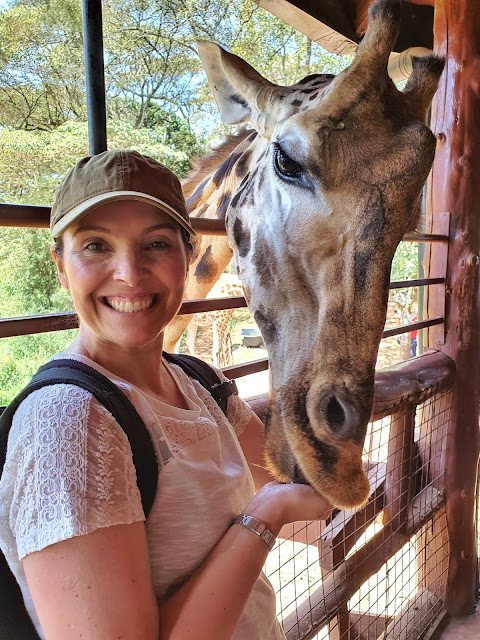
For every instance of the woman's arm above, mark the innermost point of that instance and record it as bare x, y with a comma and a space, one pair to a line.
98, 586
95, 586
252, 441
209, 605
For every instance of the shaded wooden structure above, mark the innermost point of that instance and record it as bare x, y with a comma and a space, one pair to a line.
427, 488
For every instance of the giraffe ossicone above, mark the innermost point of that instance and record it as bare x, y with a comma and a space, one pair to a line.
315, 202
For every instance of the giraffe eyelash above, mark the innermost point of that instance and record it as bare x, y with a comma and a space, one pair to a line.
285, 167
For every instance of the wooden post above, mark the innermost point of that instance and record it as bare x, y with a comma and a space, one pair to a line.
400, 474
456, 181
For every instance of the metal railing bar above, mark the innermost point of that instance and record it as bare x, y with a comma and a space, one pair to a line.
29, 325
209, 226
38, 217
11, 327
424, 237
24, 215
211, 304
246, 368
421, 282
29, 215
406, 328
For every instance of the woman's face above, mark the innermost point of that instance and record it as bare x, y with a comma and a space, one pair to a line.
125, 265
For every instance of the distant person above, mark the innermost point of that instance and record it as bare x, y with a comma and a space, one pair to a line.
413, 338
71, 520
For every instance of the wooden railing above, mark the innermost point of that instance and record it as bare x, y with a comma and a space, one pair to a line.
401, 506
399, 501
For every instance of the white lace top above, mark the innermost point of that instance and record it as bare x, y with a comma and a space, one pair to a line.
69, 471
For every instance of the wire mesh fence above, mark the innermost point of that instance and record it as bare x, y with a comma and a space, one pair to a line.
378, 573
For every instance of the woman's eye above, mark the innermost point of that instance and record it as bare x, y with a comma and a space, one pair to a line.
158, 244
93, 246
285, 166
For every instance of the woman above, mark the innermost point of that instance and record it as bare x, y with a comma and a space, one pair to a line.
72, 525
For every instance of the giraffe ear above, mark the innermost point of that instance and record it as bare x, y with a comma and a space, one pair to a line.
234, 83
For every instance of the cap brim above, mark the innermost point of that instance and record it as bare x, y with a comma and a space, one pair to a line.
79, 211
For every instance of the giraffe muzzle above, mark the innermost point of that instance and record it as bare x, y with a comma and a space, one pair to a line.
337, 409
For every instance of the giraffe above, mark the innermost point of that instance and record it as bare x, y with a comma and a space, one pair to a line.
227, 285
315, 201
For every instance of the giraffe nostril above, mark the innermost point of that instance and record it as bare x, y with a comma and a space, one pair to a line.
335, 414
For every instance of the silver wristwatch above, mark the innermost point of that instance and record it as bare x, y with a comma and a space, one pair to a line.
258, 527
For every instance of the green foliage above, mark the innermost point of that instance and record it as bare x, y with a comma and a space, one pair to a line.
20, 357
158, 102
405, 267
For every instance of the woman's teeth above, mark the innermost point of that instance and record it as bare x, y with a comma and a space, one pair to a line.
127, 306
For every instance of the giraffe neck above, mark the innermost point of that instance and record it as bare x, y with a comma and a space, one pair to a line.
208, 191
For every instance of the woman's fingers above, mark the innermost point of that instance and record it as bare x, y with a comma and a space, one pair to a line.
277, 504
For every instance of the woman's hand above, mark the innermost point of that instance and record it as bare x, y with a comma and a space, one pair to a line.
277, 504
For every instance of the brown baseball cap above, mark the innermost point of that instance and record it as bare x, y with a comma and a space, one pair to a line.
116, 175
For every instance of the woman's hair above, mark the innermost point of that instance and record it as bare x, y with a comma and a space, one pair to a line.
58, 246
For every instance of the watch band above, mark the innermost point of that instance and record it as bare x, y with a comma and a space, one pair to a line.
258, 527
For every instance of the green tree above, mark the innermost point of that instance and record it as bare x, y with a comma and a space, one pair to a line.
158, 102
405, 267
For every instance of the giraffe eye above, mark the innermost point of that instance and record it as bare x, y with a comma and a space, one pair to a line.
285, 167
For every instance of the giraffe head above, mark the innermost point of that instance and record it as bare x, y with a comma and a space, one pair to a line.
331, 182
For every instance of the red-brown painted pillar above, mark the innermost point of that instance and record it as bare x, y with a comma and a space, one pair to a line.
456, 189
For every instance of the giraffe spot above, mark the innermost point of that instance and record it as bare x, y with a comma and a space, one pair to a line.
313, 96
225, 169
326, 456
264, 263
237, 99
266, 326
241, 189
261, 178
323, 79
296, 102
312, 76
206, 265
309, 90
242, 164
223, 205
241, 237
196, 195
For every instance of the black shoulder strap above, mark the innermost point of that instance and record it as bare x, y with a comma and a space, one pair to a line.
206, 375
70, 371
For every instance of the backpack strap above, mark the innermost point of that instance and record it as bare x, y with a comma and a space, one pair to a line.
206, 375
70, 371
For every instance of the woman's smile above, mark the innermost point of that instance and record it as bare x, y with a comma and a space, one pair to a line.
130, 304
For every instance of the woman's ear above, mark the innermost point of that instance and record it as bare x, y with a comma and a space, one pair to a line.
62, 276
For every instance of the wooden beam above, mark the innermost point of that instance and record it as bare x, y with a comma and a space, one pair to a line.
336, 36
456, 176
337, 25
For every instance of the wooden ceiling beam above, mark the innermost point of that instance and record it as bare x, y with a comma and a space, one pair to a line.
317, 26
338, 25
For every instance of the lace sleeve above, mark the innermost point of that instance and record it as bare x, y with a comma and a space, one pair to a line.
239, 413
71, 467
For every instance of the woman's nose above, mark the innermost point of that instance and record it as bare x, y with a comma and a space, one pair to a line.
130, 268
